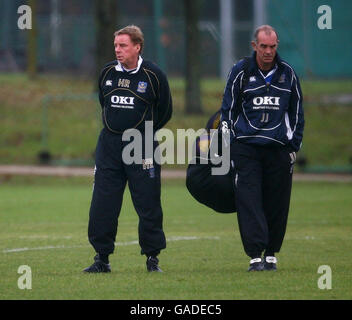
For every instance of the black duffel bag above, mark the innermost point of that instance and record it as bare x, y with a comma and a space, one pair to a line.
214, 191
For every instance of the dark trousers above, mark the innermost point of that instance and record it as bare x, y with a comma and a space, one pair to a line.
111, 176
263, 181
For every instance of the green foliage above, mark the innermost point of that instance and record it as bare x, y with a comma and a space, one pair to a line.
73, 117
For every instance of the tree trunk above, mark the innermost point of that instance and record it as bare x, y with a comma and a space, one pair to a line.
32, 42
193, 65
106, 25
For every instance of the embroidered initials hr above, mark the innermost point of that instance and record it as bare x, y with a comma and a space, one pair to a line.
124, 83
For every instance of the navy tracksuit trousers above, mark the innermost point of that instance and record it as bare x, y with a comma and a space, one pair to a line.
111, 176
262, 180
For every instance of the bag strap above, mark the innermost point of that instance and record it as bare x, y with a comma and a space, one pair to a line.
245, 80
245, 77
214, 121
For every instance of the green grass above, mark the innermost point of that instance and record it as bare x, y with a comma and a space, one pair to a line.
327, 136
74, 124
41, 212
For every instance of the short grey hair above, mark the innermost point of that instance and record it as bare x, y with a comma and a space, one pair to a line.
267, 29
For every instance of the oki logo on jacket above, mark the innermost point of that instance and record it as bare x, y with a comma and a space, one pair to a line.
122, 102
268, 101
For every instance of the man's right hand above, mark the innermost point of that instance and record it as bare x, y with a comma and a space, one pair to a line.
224, 131
224, 127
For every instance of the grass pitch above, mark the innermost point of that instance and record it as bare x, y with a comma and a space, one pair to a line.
44, 226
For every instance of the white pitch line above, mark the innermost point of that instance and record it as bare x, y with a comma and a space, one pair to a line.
129, 243
48, 237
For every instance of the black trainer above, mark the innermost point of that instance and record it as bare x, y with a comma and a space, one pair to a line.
152, 264
98, 266
255, 265
269, 263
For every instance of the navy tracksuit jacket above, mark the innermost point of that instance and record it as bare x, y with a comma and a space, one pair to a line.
128, 99
265, 115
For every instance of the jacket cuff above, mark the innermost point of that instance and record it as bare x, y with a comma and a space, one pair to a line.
290, 149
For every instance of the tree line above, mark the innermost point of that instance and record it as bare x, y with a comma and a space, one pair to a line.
106, 19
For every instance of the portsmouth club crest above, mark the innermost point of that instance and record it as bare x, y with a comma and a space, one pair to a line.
282, 78
142, 86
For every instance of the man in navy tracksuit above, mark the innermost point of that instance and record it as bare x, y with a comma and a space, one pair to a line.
132, 91
262, 110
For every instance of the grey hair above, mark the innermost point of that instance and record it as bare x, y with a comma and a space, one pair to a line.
267, 29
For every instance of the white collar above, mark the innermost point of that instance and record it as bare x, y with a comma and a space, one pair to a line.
272, 71
120, 68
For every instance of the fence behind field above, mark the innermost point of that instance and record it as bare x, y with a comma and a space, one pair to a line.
66, 35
